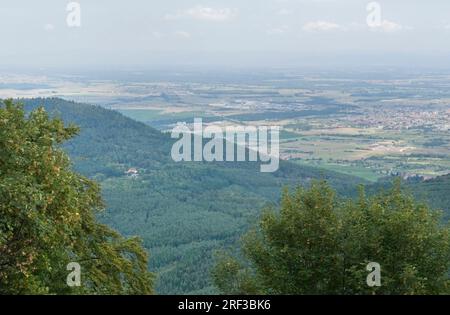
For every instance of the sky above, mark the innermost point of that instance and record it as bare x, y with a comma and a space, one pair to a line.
223, 32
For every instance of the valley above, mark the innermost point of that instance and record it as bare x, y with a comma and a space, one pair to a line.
348, 129
367, 124
184, 212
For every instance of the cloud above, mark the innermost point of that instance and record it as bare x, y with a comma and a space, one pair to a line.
384, 26
49, 27
278, 30
321, 26
182, 34
389, 27
205, 14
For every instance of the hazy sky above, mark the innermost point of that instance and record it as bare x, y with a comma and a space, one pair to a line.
235, 32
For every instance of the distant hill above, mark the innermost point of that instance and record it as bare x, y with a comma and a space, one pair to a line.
183, 211
435, 191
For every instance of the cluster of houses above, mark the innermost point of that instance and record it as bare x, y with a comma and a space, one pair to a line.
132, 172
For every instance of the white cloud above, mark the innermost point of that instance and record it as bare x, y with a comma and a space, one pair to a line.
384, 26
278, 30
389, 27
204, 13
182, 34
49, 27
321, 26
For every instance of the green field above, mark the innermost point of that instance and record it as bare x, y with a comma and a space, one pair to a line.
357, 171
149, 115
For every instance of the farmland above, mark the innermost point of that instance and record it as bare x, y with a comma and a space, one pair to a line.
367, 124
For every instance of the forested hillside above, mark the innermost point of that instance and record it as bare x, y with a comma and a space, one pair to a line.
435, 191
183, 212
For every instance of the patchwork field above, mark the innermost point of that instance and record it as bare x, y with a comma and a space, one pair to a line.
354, 124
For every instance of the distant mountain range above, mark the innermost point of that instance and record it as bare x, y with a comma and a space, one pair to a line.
184, 212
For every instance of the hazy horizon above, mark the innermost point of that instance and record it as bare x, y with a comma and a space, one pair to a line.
224, 33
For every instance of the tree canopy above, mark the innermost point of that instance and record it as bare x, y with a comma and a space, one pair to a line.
183, 212
48, 217
318, 244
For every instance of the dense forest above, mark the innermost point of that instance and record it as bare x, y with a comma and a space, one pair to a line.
184, 212
435, 191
